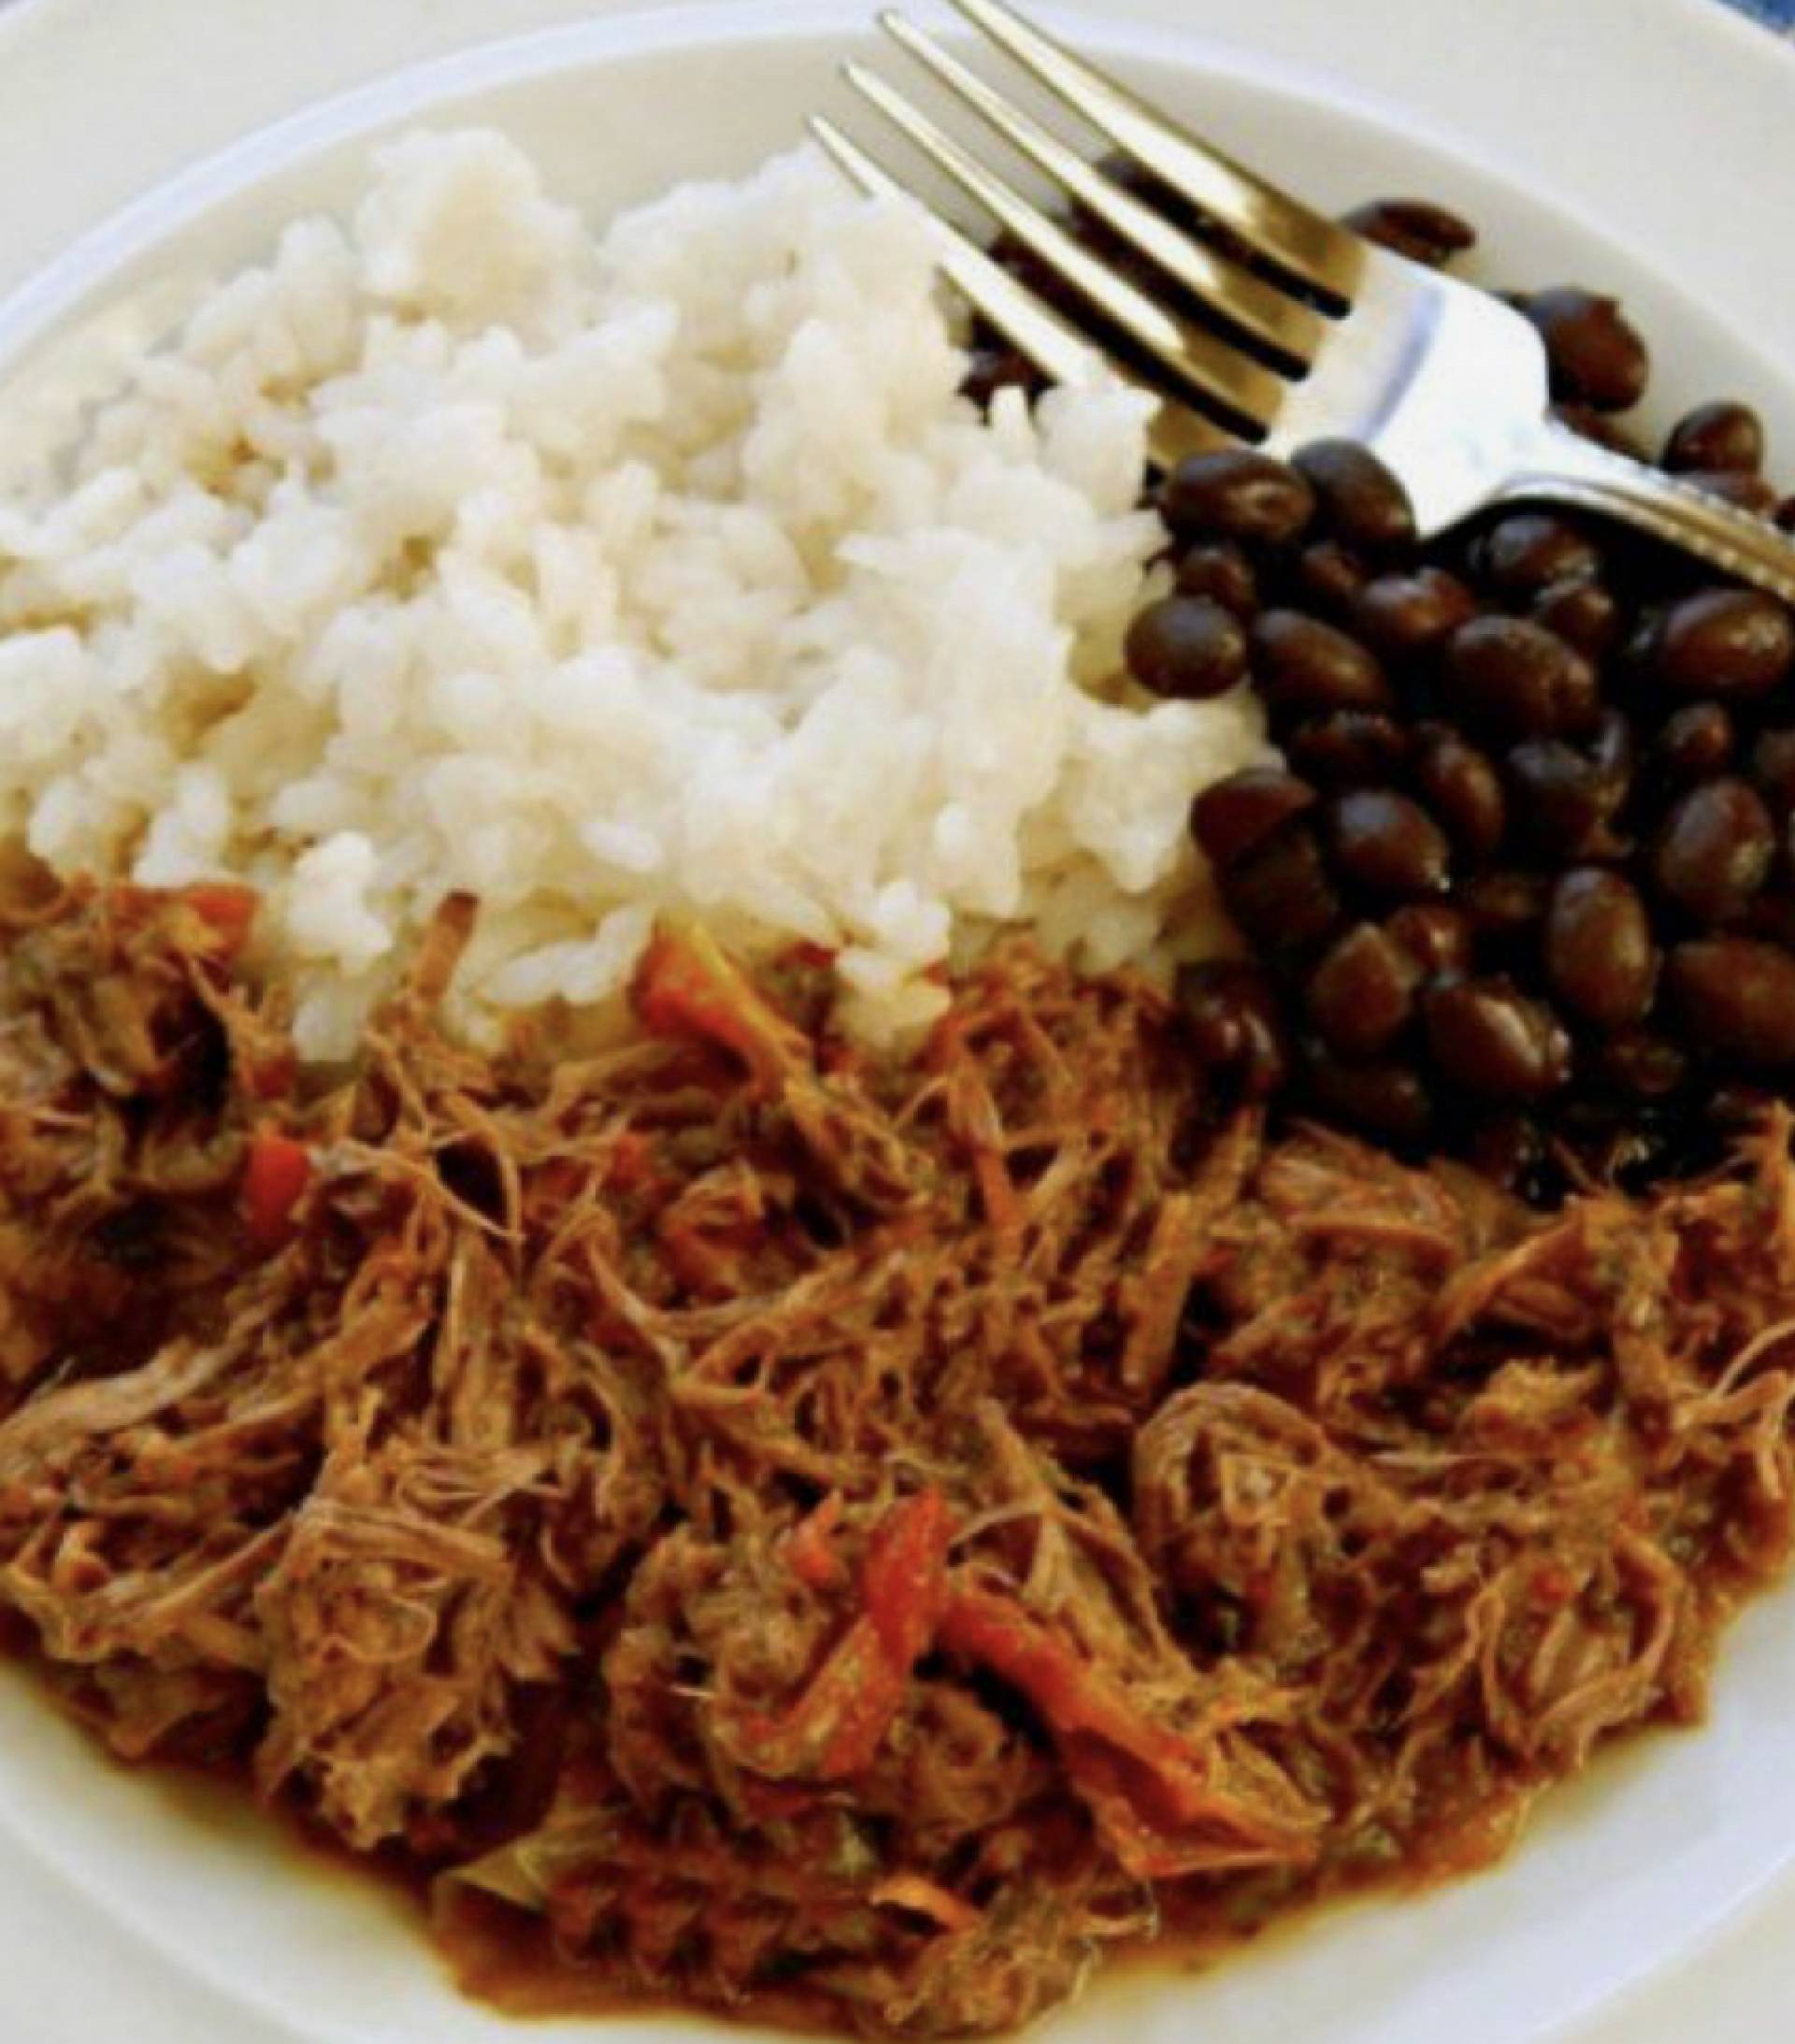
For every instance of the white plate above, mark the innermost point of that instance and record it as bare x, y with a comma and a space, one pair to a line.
1613, 139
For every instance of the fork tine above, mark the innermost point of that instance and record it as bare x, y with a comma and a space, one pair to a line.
1055, 348
1256, 308
1268, 221
1207, 371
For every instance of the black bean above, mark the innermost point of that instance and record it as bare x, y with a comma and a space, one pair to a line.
1694, 743
1231, 1009
1216, 1026
1584, 613
1561, 801
1436, 937
1517, 680
1589, 423
1358, 499
1345, 749
1641, 1063
1634, 660
1510, 1150
1596, 355
1736, 996
1221, 571
1401, 616
1264, 1064
1648, 1144
1503, 906
1463, 789
1329, 575
1599, 950
1773, 767
1738, 1107
1279, 892
1380, 1098
1715, 850
1772, 914
1736, 644
1221, 1030
1716, 437
1738, 487
1230, 818
1301, 663
1614, 751
992, 366
1494, 1040
1348, 749
1417, 228
1387, 843
1187, 647
1530, 551
1361, 994
1234, 493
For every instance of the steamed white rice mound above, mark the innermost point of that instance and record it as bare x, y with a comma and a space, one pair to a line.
665, 570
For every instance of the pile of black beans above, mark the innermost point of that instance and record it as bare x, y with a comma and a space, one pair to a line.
1524, 887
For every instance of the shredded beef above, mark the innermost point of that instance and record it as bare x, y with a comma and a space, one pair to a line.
837, 1535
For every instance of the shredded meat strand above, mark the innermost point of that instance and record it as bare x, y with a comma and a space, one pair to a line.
839, 1537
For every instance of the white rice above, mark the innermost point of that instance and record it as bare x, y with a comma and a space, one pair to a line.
665, 570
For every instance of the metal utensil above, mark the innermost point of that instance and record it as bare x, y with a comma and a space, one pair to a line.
1309, 330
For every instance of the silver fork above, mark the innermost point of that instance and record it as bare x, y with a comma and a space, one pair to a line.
1322, 335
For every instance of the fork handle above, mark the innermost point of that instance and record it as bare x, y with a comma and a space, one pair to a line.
1563, 467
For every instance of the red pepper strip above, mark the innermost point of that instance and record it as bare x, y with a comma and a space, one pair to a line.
226, 909
836, 1728
838, 1725
904, 1577
632, 1157
554, 1183
686, 985
628, 1167
810, 1547
773, 1802
1075, 1700
1554, 1584
276, 1173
